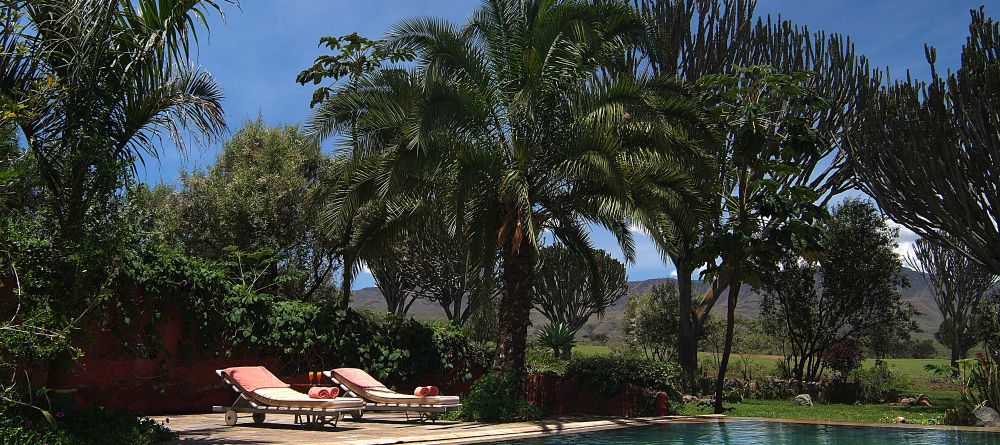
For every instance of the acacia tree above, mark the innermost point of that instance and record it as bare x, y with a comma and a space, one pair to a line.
570, 287
505, 129
958, 285
853, 288
928, 152
689, 39
256, 197
650, 321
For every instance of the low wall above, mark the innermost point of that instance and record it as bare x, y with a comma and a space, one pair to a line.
561, 395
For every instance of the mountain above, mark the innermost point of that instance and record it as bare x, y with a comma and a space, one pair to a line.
918, 294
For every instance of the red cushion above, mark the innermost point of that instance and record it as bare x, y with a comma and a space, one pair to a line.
252, 378
359, 378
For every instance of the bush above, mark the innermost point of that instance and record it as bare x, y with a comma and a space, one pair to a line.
558, 337
21, 425
610, 374
843, 357
543, 360
880, 383
498, 397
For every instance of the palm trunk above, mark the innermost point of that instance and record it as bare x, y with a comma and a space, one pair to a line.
720, 380
515, 306
687, 340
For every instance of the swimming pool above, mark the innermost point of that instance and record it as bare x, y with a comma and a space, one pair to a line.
762, 432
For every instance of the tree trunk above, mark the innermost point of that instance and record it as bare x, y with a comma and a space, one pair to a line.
720, 380
956, 347
515, 306
687, 340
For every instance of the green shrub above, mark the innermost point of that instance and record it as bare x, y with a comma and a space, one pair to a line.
879, 383
498, 397
543, 360
609, 374
22, 425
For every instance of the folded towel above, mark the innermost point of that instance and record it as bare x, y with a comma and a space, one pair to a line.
321, 392
433, 390
422, 391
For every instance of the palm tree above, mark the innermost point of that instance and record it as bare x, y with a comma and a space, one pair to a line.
93, 85
516, 126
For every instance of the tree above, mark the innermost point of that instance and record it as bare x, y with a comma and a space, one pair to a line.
958, 285
987, 325
650, 321
396, 287
927, 152
570, 287
257, 197
852, 289
506, 129
690, 39
93, 85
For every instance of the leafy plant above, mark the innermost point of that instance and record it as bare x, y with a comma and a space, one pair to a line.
879, 383
609, 374
498, 397
558, 337
843, 357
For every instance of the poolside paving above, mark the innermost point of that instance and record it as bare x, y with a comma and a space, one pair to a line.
378, 429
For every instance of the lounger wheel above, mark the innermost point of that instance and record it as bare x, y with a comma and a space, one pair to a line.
231, 417
259, 417
357, 415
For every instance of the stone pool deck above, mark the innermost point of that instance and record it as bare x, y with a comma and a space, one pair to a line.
379, 429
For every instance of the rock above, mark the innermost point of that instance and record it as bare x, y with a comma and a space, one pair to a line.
900, 419
986, 416
804, 400
689, 399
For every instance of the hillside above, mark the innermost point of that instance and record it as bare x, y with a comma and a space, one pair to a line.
917, 294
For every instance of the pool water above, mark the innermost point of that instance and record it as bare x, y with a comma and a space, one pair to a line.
759, 432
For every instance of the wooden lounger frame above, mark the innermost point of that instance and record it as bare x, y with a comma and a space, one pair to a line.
303, 416
422, 412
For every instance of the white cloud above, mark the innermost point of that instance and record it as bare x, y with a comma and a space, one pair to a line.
905, 240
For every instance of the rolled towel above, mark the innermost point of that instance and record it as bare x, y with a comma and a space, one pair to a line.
434, 390
422, 391
322, 392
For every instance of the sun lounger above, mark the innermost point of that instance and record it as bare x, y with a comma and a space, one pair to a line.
377, 397
261, 393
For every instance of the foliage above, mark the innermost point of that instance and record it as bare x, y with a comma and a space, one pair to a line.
498, 397
832, 412
357, 55
843, 357
223, 307
690, 40
880, 383
257, 196
859, 276
542, 359
558, 337
982, 383
921, 141
609, 374
571, 286
650, 321
987, 324
505, 147
958, 285
25, 425
967, 338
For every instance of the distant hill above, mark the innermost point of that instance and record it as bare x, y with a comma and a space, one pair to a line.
918, 294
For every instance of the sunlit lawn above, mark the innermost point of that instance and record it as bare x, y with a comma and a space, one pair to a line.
786, 409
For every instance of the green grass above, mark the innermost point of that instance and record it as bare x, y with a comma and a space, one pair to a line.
782, 409
589, 350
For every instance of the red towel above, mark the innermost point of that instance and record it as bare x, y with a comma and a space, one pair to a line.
433, 390
422, 391
321, 392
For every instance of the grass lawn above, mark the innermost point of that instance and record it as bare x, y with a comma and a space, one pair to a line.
782, 409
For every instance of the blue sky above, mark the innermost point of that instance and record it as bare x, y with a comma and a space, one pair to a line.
258, 49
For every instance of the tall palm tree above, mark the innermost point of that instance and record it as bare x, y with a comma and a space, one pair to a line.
516, 126
93, 85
